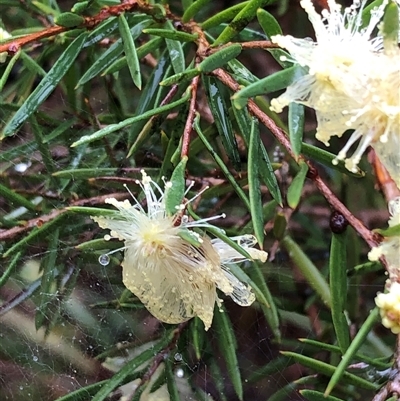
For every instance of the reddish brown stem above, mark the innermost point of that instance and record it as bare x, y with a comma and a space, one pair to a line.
189, 122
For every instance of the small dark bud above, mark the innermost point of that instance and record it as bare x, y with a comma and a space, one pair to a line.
338, 223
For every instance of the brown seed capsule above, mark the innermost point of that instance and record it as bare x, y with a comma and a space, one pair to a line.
338, 222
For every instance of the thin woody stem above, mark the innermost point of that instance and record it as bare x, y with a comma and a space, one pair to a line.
189, 122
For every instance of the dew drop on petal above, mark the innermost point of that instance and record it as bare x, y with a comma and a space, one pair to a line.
104, 259
179, 373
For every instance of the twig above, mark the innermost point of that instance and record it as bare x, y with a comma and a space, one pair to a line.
189, 122
38, 221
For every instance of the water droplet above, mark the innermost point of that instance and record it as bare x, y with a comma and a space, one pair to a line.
179, 373
104, 260
178, 357
22, 167
35, 358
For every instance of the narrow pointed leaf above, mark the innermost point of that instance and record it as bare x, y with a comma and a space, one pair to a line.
194, 9
220, 58
114, 51
271, 83
171, 34
227, 345
46, 85
130, 51
296, 126
328, 370
15, 199
220, 110
296, 186
241, 20
310, 272
174, 194
326, 158
358, 341
256, 208
129, 121
338, 287
224, 16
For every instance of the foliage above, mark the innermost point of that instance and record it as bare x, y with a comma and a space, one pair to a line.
96, 91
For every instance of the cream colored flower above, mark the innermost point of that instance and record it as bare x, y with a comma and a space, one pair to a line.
3, 36
172, 269
389, 305
390, 246
351, 82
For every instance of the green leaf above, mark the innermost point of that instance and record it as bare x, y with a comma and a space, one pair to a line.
296, 126
221, 164
48, 284
46, 85
114, 51
270, 310
174, 194
312, 395
10, 268
256, 207
390, 28
358, 341
173, 393
194, 9
220, 58
83, 393
37, 232
326, 158
296, 186
177, 78
120, 377
333, 348
176, 55
69, 20
227, 345
220, 110
15, 199
241, 20
92, 211
130, 51
224, 16
150, 46
198, 338
393, 231
8, 69
271, 83
129, 121
271, 27
266, 169
338, 288
328, 370
171, 34
310, 272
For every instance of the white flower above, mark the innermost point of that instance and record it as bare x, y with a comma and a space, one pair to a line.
173, 270
3, 36
390, 246
351, 82
389, 305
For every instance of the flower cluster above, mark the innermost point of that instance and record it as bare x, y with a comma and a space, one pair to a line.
389, 305
352, 81
171, 268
